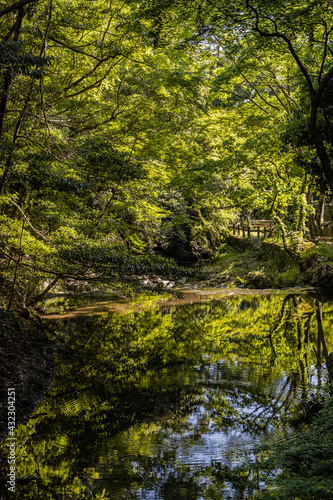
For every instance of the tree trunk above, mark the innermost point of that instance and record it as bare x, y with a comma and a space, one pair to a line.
8, 77
312, 224
318, 142
40, 296
320, 212
321, 335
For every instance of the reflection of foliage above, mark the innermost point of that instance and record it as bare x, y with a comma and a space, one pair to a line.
305, 462
126, 383
299, 467
179, 485
242, 477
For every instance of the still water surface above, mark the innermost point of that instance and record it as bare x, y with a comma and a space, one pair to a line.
149, 402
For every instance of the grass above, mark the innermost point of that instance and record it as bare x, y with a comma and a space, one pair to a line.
226, 255
290, 277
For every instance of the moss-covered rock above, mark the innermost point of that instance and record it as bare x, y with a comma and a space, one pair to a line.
259, 279
318, 270
276, 253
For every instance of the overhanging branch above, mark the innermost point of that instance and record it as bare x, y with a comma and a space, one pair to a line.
15, 6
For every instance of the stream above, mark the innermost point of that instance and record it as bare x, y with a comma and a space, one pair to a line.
154, 399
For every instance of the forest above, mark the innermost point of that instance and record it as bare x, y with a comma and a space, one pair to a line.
136, 139
135, 133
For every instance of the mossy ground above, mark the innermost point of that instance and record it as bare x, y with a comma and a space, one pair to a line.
323, 248
261, 266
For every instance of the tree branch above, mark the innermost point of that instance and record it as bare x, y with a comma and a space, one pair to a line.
15, 272
283, 37
325, 52
245, 97
79, 51
27, 220
15, 6
259, 93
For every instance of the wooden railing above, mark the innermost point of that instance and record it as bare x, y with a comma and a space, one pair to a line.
258, 227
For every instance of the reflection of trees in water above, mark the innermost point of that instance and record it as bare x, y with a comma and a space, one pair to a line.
293, 339
296, 315
118, 371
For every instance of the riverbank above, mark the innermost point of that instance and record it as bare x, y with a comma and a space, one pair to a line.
27, 361
251, 263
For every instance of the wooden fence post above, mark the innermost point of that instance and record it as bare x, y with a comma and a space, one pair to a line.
259, 227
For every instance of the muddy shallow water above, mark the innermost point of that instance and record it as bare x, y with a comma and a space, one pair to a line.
150, 398
60, 306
